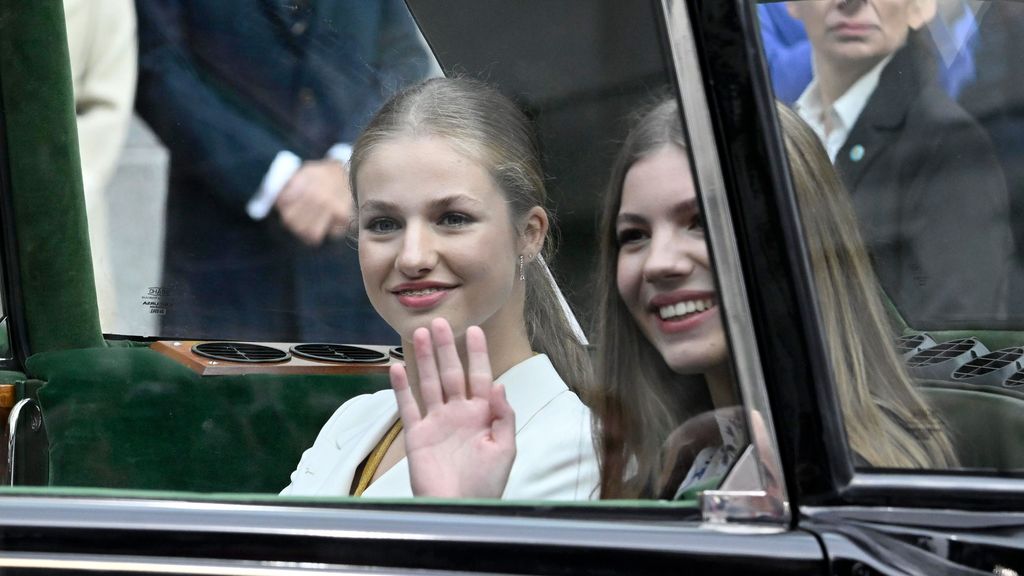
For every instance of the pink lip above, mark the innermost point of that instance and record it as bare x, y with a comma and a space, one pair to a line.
851, 28
421, 301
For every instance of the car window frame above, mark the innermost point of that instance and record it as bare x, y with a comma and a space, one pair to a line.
710, 180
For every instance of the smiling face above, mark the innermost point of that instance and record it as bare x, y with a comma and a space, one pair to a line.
664, 271
436, 239
858, 32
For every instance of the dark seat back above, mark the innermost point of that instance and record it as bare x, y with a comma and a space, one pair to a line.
985, 423
131, 418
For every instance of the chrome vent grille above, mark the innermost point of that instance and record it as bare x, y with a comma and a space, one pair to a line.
240, 352
907, 346
342, 353
940, 361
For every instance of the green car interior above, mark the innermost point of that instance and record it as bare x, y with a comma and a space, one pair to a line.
118, 414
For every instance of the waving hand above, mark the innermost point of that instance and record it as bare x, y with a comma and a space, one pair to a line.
462, 443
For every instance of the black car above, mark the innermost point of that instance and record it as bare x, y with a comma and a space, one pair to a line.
131, 450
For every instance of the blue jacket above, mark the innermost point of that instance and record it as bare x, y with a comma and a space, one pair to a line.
787, 50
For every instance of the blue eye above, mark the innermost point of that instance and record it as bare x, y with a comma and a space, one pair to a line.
454, 220
382, 225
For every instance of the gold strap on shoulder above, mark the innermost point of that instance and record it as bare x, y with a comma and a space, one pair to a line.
374, 459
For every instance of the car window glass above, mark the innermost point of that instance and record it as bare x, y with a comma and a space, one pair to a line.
913, 106
220, 212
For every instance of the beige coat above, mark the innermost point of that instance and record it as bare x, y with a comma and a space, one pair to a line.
103, 48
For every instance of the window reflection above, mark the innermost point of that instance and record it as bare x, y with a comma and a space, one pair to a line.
923, 175
914, 103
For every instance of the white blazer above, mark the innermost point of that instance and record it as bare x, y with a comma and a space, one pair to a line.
556, 458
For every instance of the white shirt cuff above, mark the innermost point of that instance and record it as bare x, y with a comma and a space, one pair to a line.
340, 152
281, 170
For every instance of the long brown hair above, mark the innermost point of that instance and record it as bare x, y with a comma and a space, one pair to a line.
639, 400
485, 126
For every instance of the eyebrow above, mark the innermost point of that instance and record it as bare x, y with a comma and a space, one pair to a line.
684, 208
438, 204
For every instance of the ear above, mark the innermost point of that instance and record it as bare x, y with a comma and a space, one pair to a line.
921, 12
533, 231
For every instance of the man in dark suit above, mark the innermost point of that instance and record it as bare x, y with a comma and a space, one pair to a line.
258, 102
929, 194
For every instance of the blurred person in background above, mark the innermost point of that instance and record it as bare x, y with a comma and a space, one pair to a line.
953, 31
103, 49
787, 50
929, 194
258, 102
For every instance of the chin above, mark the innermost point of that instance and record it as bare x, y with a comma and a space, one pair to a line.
692, 362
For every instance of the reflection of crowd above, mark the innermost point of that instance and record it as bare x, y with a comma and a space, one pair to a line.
923, 132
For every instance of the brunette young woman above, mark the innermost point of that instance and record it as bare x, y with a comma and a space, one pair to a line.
449, 194
659, 312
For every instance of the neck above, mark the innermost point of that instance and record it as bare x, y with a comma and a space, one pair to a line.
836, 78
722, 386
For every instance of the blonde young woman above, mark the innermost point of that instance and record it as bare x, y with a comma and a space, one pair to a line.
449, 195
659, 314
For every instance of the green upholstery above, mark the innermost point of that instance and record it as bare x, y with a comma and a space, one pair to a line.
986, 423
132, 418
46, 183
992, 339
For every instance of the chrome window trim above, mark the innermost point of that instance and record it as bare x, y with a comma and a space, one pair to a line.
731, 287
163, 565
407, 524
915, 517
934, 482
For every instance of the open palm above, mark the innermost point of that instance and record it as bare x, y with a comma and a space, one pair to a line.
462, 443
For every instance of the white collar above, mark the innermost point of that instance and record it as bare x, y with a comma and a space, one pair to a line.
844, 111
530, 385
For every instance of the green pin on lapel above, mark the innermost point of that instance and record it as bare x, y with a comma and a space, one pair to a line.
857, 153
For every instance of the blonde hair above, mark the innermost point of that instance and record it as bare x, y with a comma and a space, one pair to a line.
483, 125
876, 394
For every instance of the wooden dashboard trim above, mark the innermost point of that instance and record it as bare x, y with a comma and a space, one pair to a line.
181, 352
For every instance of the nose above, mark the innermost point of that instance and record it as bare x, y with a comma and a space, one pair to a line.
671, 256
849, 6
418, 255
